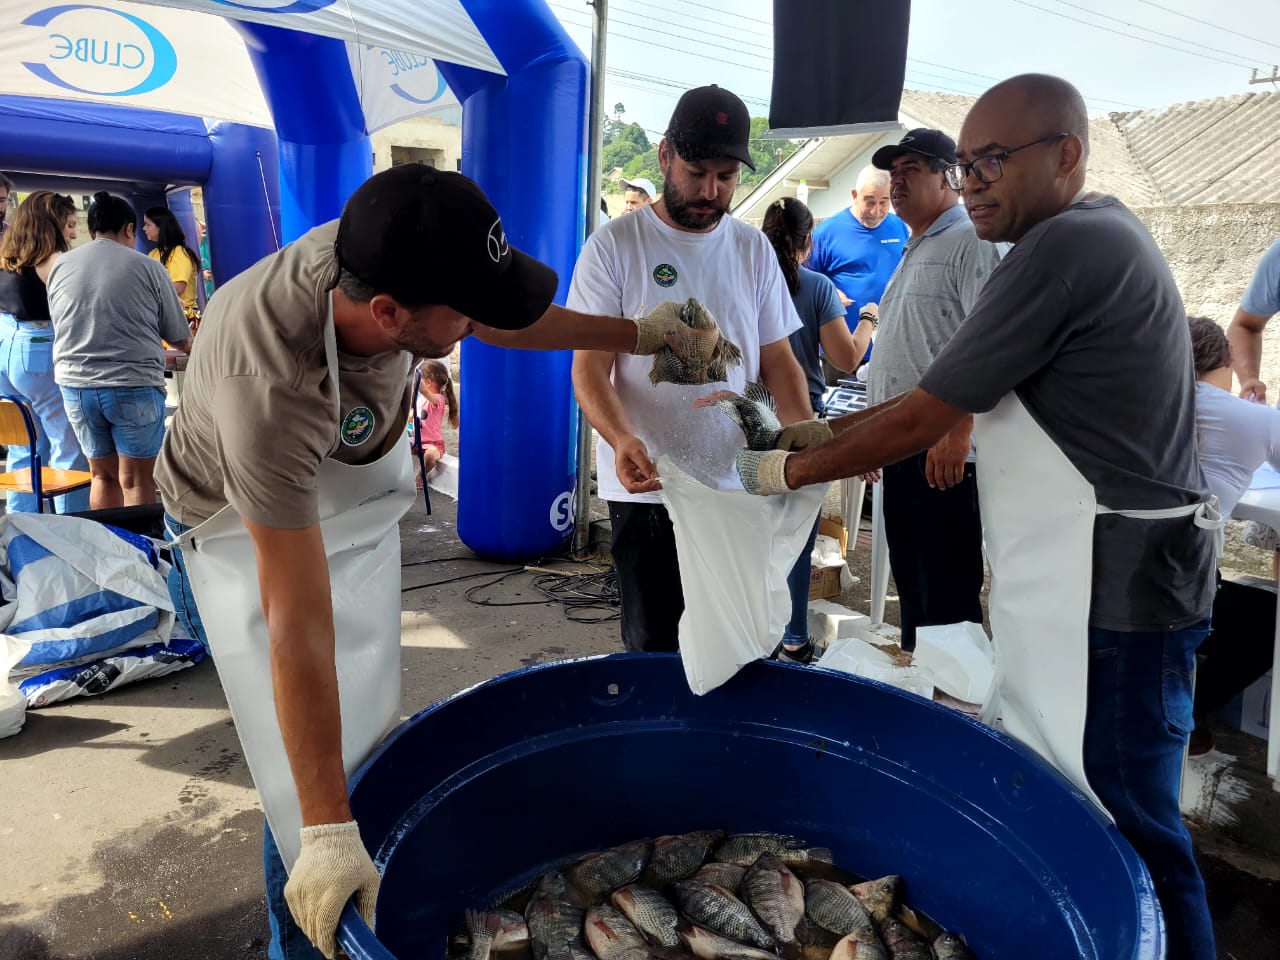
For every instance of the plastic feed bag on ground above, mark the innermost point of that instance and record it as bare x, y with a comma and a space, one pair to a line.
958, 658
735, 552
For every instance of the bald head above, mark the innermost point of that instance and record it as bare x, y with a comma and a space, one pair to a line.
1047, 103
1022, 148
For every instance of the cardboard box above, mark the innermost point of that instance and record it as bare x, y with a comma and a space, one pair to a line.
833, 528
824, 582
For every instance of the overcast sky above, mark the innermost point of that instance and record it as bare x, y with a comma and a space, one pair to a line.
1122, 54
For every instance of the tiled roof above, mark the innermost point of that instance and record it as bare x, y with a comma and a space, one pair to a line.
1224, 150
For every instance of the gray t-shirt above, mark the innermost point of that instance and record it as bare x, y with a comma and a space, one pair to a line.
1084, 321
111, 307
936, 284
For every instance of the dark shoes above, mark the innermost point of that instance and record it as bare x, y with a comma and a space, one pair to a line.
804, 654
1200, 743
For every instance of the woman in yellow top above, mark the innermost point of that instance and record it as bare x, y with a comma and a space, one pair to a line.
163, 229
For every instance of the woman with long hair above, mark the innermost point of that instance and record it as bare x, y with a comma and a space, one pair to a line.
162, 228
789, 226
31, 246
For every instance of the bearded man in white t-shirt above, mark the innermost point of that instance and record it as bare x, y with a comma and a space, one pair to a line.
681, 247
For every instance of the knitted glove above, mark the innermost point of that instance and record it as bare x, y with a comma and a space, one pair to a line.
332, 867
664, 328
763, 472
802, 435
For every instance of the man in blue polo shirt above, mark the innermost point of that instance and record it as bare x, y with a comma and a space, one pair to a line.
860, 246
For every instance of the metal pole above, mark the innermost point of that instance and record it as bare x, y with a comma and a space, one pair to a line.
582, 493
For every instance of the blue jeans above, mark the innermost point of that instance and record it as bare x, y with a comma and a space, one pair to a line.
111, 421
796, 631
1139, 717
288, 942
26, 370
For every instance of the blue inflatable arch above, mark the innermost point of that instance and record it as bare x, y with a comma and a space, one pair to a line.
524, 141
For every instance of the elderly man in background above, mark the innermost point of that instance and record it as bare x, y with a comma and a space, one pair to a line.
638, 192
931, 514
859, 248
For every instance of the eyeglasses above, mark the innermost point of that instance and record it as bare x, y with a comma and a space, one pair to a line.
990, 168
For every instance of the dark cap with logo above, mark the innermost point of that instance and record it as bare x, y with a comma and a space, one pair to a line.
426, 236
933, 144
710, 123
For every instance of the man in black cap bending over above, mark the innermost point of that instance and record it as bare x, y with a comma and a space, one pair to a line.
679, 248
284, 476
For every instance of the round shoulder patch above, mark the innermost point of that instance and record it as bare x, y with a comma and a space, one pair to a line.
357, 426
664, 275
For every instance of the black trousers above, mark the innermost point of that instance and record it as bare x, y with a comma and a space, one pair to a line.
644, 555
1239, 647
935, 547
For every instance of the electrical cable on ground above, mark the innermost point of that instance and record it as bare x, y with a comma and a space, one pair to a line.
584, 597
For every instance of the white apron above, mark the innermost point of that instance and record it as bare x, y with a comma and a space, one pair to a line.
360, 508
1037, 524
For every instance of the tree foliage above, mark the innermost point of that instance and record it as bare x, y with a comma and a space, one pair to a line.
626, 146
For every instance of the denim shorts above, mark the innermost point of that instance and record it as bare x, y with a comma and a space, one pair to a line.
128, 421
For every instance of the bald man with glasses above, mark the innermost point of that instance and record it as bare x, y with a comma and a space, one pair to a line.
1099, 525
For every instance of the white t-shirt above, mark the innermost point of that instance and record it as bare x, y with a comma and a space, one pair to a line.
634, 263
1233, 437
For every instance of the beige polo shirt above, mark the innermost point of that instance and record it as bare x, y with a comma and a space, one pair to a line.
259, 411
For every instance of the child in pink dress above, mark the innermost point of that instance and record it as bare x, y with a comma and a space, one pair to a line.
435, 400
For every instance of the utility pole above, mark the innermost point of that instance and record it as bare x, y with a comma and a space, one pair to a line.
1274, 79
599, 32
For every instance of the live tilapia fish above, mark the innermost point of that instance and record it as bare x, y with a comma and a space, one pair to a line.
650, 913
903, 944
727, 875
706, 945
776, 896
832, 907
754, 411
554, 923
860, 944
721, 912
676, 857
611, 936
598, 873
949, 946
697, 365
880, 897
744, 848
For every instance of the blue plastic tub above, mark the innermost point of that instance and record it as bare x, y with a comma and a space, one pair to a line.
481, 791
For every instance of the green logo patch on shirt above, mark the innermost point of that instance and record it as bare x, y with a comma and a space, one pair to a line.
357, 426
664, 275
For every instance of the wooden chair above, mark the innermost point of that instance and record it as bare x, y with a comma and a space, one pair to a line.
18, 428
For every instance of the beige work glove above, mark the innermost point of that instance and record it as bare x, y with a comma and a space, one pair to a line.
803, 434
332, 866
763, 472
664, 328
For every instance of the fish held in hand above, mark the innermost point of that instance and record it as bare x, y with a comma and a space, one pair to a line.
696, 352
754, 412
721, 912
860, 944
832, 907
707, 945
649, 912
482, 928
880, 897
598, 873
744, 848
776, 896
677, 857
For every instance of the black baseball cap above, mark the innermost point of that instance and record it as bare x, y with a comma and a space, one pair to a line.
933, 144
427, 236
710, 123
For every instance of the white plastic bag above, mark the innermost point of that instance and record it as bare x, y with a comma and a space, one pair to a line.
13, 705
863, 659
959, 659
735, 552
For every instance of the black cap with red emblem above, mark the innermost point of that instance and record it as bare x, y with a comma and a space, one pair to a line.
710, 123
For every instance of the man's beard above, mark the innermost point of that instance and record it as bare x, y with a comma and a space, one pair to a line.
678, 208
